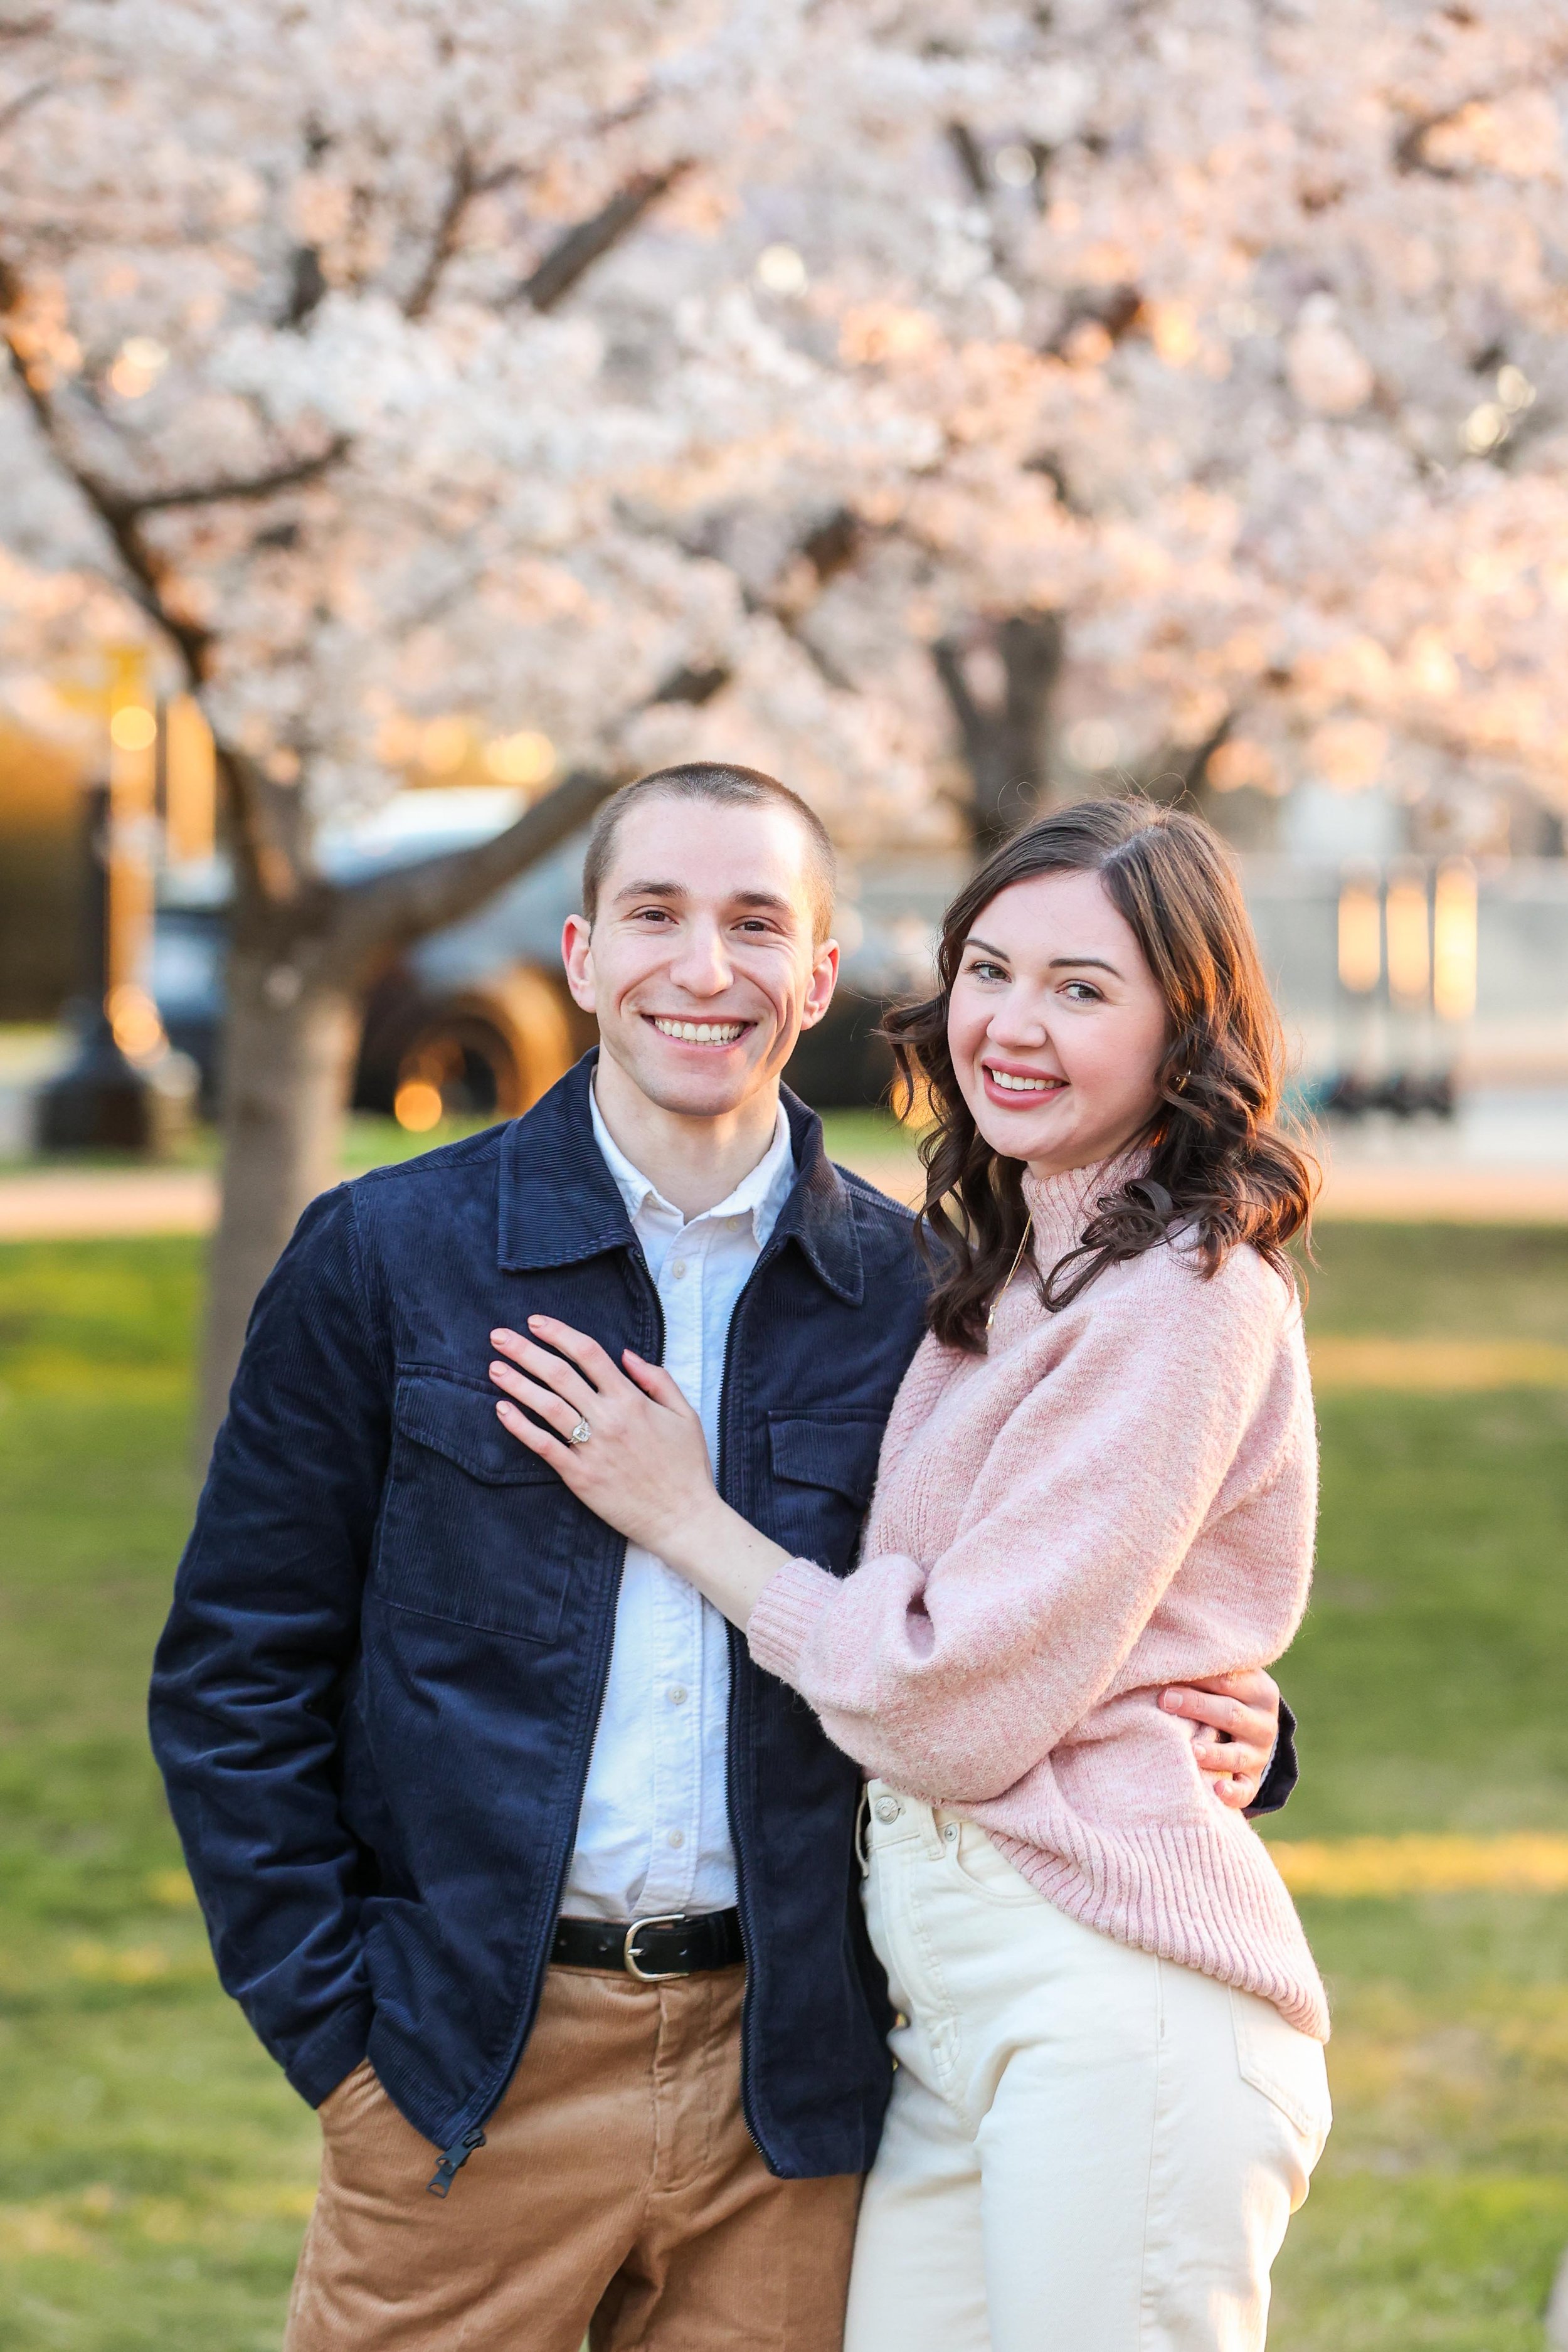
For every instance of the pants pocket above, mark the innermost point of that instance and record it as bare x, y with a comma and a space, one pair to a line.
348, 2095
1286, 2065
985, 1872
926, 2040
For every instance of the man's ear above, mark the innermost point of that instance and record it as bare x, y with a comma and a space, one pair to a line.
577, 955
823, 981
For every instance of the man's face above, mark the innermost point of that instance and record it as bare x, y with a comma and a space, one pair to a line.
701, 964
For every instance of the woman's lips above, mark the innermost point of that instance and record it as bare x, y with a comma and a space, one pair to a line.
1020, 1089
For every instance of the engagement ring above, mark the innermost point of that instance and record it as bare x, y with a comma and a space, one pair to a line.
581, 1435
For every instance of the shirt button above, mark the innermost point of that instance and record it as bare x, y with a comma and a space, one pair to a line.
735, 1223
679, 1268
887, 1809
677, 1838
676, 1693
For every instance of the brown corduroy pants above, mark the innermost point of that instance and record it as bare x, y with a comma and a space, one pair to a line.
618, 2195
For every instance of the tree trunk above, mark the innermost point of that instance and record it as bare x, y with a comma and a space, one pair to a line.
300, 960
1004, 741
289, 1051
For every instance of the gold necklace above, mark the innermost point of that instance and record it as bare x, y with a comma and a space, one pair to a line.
1012, 1270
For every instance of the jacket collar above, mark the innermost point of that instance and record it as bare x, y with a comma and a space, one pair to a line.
560, 1204
819, 1214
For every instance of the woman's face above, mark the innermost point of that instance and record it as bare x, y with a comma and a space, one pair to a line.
1055, 1025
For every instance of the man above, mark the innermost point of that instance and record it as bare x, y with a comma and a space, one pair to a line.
531, 1881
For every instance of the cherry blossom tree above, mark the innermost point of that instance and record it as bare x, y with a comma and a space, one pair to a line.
935, 402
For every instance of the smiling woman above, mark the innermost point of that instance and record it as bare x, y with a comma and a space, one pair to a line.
1098, 986
1055, 1021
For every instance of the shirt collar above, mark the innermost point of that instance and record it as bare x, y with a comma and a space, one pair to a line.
759, 1196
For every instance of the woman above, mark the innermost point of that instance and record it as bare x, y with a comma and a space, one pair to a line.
1099, 1478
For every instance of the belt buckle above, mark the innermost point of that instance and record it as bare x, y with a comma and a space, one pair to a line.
629, 1958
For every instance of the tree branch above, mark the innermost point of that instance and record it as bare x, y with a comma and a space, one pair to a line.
947, 661
268, 862
1410, 148
306, 287
1170, 781
378, 916
573, 255
287, 476
461, 192
143, 573
971, 161
694, 686
265, 836
23, 99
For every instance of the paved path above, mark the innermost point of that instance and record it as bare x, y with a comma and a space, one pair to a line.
76, 1203
1453, 1195
83, 1204
1383, 1190
1524, 1862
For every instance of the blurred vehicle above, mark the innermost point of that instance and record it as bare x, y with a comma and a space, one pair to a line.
474, 1022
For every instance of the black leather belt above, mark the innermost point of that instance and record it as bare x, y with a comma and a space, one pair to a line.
653, 1949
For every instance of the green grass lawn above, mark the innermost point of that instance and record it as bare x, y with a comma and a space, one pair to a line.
155, 2169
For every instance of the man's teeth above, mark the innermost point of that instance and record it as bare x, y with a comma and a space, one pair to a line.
1012, 1086
700, 1033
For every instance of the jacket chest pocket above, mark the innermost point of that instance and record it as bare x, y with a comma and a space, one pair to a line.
473, 1527
824, 1468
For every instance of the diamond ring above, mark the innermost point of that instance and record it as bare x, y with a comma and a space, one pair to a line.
581, 1435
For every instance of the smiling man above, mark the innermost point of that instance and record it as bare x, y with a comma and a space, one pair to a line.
536, 1886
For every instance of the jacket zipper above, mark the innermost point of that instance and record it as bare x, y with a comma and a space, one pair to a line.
737, 1661
452, 2159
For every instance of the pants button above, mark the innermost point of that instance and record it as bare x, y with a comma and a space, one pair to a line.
887, 1809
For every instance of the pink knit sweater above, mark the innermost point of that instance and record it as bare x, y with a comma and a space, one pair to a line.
1116, 1496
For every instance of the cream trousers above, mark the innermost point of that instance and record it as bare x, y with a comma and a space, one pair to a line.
1088, 2149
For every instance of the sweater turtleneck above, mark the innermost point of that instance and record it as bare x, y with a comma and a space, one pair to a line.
1062, 1207
1116, 1495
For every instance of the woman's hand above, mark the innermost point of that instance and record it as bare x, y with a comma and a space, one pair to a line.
644, 1464
1239, 1718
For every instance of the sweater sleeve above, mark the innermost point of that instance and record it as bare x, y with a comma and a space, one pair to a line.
954, 1680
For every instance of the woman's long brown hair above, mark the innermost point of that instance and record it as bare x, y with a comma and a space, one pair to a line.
1217, 1163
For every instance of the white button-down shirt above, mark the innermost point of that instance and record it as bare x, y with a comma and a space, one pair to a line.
654, 1831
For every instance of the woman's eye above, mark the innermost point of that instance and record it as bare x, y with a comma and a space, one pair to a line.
1083, 991
983, 970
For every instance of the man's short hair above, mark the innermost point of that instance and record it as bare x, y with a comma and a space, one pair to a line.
724, 787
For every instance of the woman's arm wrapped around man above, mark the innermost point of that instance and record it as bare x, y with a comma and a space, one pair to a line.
1146, 1502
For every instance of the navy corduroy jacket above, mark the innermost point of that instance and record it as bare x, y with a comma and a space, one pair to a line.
376, 1698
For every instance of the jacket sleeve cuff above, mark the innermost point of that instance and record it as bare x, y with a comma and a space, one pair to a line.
1283, 1770
787, 1609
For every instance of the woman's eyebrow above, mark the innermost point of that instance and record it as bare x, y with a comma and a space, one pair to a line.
1057, 963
